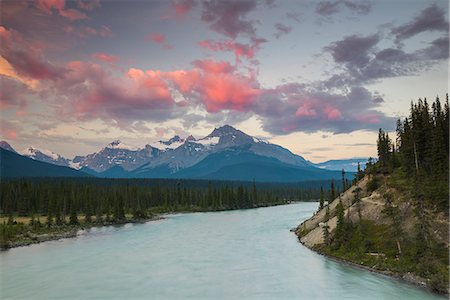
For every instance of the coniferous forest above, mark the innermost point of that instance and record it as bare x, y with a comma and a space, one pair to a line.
48, 205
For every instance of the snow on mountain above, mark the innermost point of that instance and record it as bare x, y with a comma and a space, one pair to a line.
208, 141
45, 156
114, 154
117, 144
172, 155
171, 144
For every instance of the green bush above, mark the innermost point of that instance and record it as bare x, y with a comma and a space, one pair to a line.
372, 185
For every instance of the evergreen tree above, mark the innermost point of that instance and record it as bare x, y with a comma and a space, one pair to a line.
321, 203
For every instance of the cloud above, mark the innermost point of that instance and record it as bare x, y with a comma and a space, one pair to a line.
430, 19
182, 7
107, 58
328, 8
291, 108
93, 92
26, 58
215, 86
87, 31
12, 93
160, 39
294, 16
363, 62
240, 50
282, 30
353, 49
88, 5
211, 66
48, 6
229, 17
8, 130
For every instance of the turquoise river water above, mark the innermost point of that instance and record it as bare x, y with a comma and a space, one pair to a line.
244, 254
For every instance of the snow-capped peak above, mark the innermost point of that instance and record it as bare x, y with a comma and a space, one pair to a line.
172, 143
117, 144
224, 130
32, 152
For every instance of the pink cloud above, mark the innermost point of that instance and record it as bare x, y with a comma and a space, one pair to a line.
332, 113
240, 50
224, 91
95, 92
104, 57
48, 6
184, 80
211, 66
135, 73
306, 110
160, 39
25, 58
182, 7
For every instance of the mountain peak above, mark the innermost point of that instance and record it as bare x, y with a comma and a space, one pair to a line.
6, 146
114, 144
190, 138
172, 140
117, 144
224, 130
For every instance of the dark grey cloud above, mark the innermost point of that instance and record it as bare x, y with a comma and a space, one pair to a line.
328, 8
362, 61
229, 17
292, 108
353, 49
430, 19
281, 30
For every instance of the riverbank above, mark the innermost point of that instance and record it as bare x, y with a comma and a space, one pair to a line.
408, 277
42, 233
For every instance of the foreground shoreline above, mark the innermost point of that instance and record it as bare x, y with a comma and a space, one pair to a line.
404, 277
71, 231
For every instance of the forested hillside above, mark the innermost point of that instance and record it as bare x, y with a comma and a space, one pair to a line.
395, 218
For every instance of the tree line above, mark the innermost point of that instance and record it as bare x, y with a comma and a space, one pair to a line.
111, 199
421, 150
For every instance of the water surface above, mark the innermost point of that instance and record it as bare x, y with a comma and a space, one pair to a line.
245, 254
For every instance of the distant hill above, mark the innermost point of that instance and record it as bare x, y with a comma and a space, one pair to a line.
13, 165
349, 165
238, 163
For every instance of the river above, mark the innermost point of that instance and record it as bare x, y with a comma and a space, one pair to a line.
244, 254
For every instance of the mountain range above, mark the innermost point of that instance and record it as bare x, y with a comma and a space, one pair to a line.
226, 153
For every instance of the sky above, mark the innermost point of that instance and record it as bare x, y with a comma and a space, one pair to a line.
316, 77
